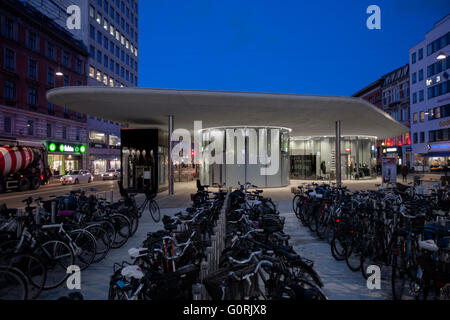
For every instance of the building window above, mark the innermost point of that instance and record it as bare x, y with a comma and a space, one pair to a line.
414, 77
50, 51
7, 124
80, 66
421, 96
78, 134
105, 61
10, 90
99, 37
415, 97
105, 79
32, 96
405, 115
10, 60
65, 59
51, 77
413, 58
99, 76
92, 72
64, 133
99, 56
50, 108
32, 41
422, 116
111, 47
30, 126
99, 18
422, 137
49, 130
92, 32
32, 69
420, 54
9, 28
420, 74
66, 81
415, 140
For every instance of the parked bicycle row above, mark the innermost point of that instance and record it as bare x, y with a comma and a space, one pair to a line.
39, 243
258, 263
400, 230
167, 265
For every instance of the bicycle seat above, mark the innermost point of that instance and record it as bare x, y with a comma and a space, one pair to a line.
65, 213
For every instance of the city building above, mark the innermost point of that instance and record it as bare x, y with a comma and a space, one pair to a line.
371, 93
109, 29
395, 101
306, 127
37, 55
430, 98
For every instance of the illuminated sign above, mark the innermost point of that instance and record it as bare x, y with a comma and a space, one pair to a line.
65, 148
390, 150
348, 149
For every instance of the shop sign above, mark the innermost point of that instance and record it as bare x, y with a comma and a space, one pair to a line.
65, 148
348, 149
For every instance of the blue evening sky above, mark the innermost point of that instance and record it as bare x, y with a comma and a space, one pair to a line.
295, 46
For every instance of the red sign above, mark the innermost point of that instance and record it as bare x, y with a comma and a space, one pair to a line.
347, 149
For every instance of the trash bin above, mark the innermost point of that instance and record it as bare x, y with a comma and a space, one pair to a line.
416, 180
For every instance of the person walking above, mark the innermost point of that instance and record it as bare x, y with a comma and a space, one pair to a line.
405, 171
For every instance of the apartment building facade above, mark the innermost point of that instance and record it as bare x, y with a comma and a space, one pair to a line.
36, 55
109, 29
430, 99
396, 102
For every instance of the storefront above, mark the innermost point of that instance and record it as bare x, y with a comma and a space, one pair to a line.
315, 158
63, 157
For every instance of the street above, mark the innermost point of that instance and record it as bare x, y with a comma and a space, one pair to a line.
14, 199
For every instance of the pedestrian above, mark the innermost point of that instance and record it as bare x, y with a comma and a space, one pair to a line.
405, 171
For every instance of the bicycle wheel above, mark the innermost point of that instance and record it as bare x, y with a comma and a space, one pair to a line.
32, 268
122, 227
296, 204
154, 211
398, 278
13, 284
338, 247
57, 256
353, 255
85, 247
103, 241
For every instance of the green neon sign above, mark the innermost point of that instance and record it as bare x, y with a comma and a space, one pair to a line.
65, 147
82, 149
61, 148
52, 147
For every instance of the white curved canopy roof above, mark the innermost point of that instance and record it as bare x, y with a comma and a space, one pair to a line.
305, 115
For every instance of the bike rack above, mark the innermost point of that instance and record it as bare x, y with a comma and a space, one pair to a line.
213, 252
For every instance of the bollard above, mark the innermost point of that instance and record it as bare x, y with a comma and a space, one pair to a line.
53, 212
197, 291
104, 196
111, 199
204, 269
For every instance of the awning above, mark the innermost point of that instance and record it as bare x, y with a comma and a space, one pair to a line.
306, 115
437, 154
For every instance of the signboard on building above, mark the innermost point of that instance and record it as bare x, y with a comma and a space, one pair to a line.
65, 147
389, 169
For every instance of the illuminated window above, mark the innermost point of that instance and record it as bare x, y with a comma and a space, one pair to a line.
99, 76
422, 116
99, 18
111, 82
91, 72
105, 24
127, 45
117, 35
122, 40
105, 79
111, 30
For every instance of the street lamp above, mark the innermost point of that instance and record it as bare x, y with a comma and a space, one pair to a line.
59, 74
441, 56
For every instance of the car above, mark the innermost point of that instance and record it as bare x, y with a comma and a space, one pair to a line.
76, 177
111, 174
436, 168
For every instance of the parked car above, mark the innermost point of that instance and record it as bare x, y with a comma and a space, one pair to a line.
111, 174
436, 168
76, 177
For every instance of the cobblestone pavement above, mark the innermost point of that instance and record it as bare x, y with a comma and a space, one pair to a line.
340, 282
